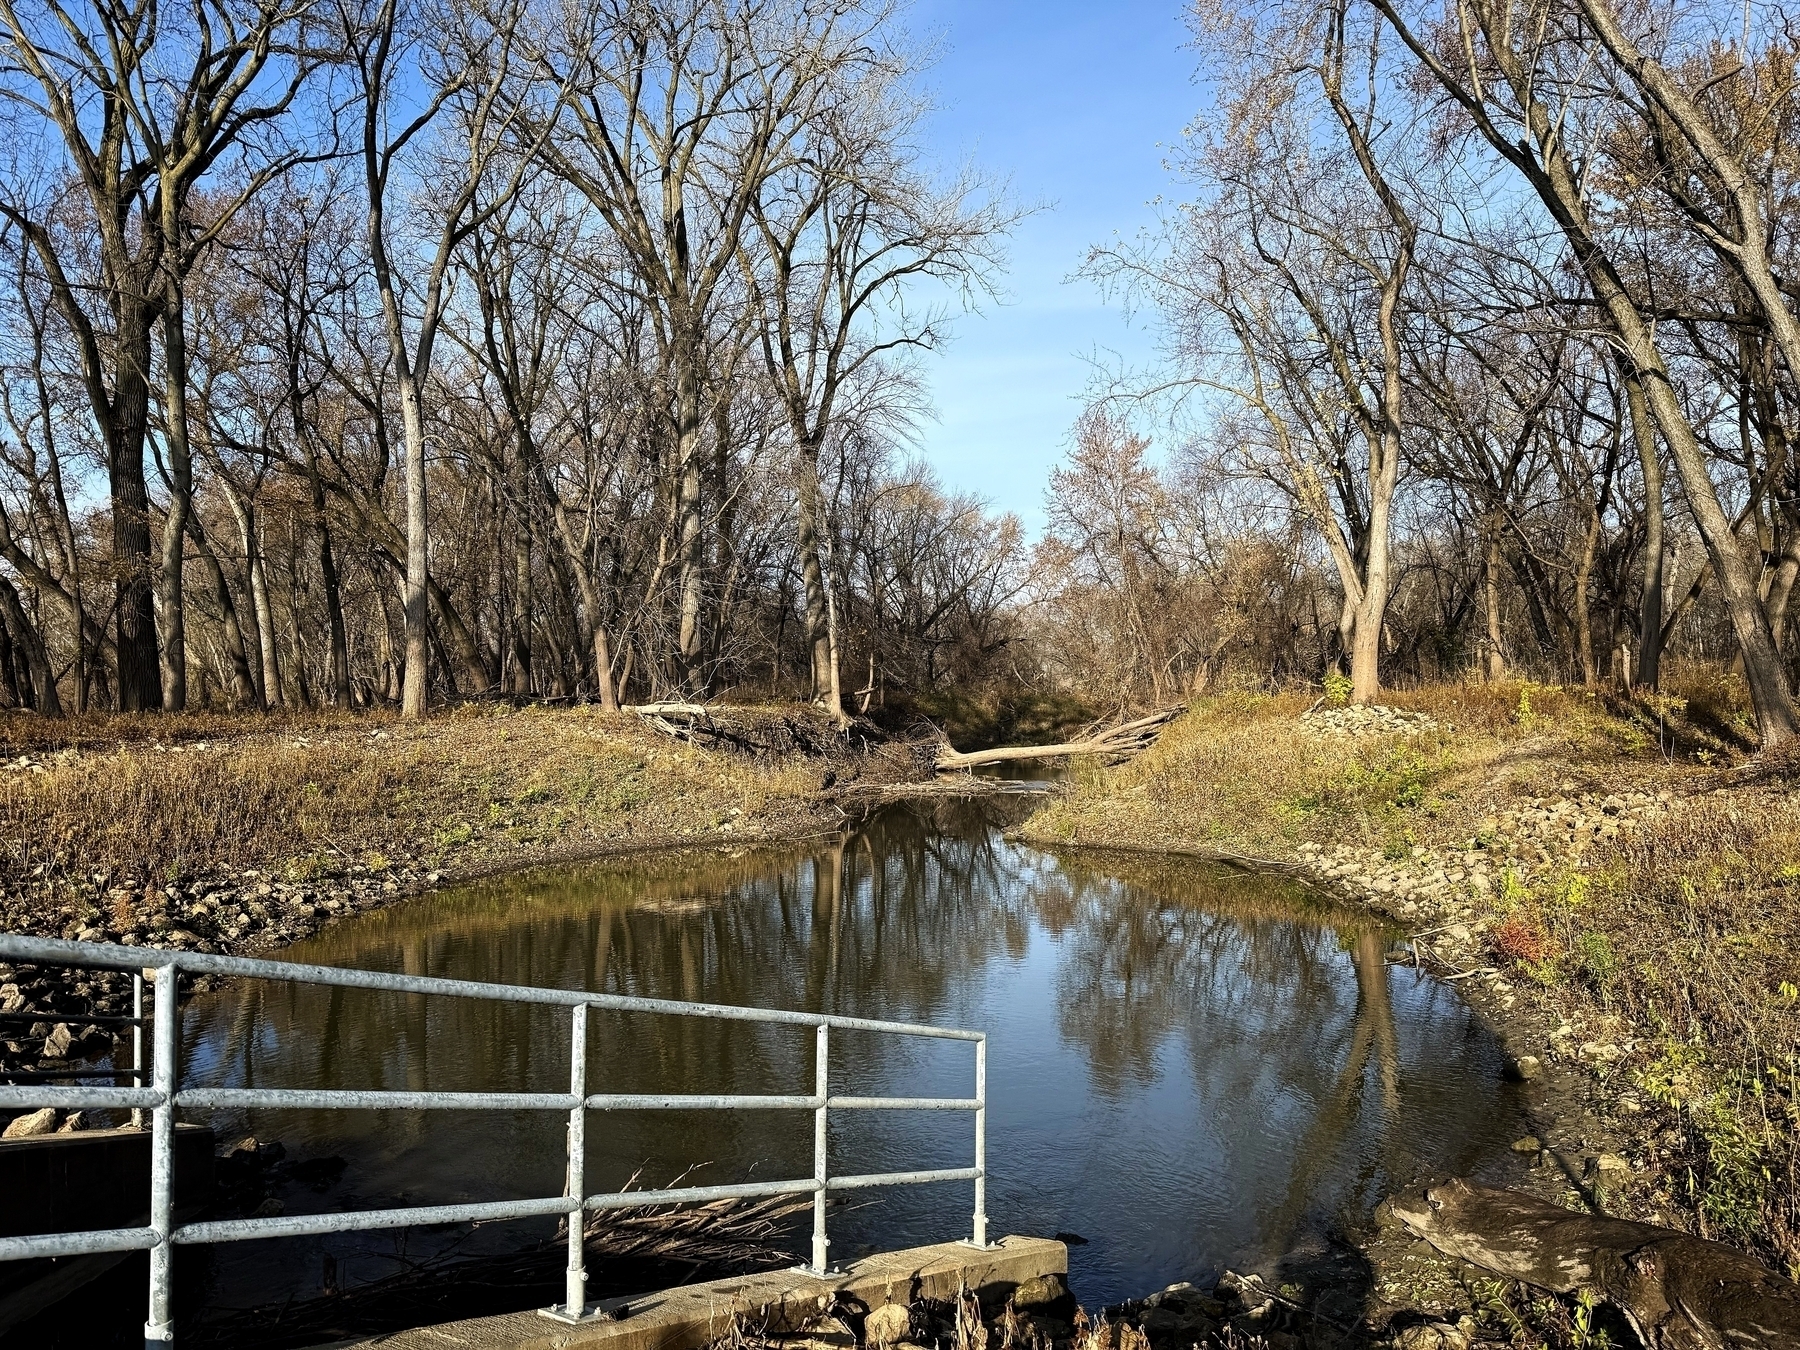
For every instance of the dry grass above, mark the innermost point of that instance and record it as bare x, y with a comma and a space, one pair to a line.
1237, 776
149, 799
1686, 931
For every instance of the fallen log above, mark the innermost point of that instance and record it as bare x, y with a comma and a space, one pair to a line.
1678, 1292
1118, 742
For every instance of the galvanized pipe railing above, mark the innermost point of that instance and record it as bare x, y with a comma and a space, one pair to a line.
162, 1098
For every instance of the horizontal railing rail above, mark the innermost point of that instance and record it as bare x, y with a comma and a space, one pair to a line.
162, 1098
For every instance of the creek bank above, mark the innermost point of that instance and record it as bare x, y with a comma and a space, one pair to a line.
1614, 912
241, 835
1234, 1311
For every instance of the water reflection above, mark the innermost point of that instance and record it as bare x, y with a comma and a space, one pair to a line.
1191, 1067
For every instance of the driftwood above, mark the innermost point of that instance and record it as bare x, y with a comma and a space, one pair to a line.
1678, 1292
757, 731
1118, 742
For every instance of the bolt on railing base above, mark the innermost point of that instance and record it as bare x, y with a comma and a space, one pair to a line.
829, 1273
589, 1315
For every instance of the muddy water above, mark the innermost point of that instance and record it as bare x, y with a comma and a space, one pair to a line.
1191, 1068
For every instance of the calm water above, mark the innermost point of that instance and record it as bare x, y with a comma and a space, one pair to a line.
1192, 1068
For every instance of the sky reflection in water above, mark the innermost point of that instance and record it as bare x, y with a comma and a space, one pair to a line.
1192, 1068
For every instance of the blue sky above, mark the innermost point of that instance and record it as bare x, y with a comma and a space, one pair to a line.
1075, 104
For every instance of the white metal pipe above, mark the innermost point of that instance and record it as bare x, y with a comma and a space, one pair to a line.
980, 1232
666, 1101
56, 951
684, 1195
329, 1099
311, 1225
75, 1098
137, 1042
575, 1286
159, 1330
902, 1178
77, 1244
821, 1262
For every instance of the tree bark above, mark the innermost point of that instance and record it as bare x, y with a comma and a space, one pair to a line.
25, 636
244, 692
690, 524
1496, 637
140, 676
1677, 1292
268, 665
812, 577
414, 691
181, 497
1650, 600
522, 584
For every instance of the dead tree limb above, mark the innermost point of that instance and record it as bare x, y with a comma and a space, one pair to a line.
1678, 1292
1120, 742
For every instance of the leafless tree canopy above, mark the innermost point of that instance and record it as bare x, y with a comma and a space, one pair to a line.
377, 350
1479, 357
364, 351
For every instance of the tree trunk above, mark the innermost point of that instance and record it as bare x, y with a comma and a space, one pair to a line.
14, 691
1365, 643
1677, 1292
268, 670
1584, 627
244, 693
1496, 637
819, 637
413, 592
181, 490
609, 697
338, 673
1650, 601
522, 586
26, 637
456, 637
140, 677
689, 521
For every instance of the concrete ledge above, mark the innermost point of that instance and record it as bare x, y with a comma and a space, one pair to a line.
690, 1317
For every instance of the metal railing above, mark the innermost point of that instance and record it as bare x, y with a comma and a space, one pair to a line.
162, 1098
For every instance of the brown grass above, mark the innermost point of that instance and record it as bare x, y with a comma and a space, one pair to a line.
1236, 774
149, 799
1686, 931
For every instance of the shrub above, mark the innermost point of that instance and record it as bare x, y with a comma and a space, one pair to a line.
1524, 942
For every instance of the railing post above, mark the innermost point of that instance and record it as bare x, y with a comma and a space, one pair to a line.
137, 1043
575, 1293
159, 1332
821, 1262
980, 1237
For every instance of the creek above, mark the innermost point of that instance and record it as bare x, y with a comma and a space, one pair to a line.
1191, 1067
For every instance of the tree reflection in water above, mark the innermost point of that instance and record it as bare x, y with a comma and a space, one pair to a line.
1191, 1066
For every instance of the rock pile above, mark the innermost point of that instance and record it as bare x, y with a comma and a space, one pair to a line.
1238, 1311
1441, 884
1367, 719
249, 912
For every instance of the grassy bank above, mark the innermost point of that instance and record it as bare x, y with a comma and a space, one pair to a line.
146, 802
240, 834
1622, 876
